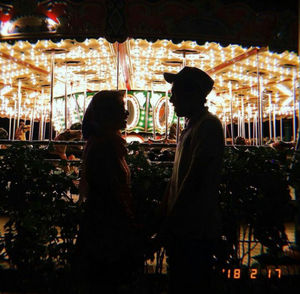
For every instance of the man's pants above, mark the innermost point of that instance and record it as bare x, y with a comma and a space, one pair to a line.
190, 266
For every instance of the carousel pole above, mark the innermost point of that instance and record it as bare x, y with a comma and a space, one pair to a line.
166, 114
51, 96
274, 123
19, 102
41, 117
9, 127
52, 52
83, 75
26, 113
294, 107
242, 123
259, 102
32, 121
126, 107
261, 117
270, 117
249, 124
44, 124
239, 123
257, 130
118, 65
231, 113
75, 98
153, 114
224, 126
147, 110
84, 95
66, 96
255, 135
44, 128
184, 65
281, 133
25, 119
41, 129
253, 129
249, 130
243, 119
225, 132
38, 124
31, 126
241, 127
14, 123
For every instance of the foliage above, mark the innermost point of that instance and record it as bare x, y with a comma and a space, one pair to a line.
294, 174
254, 191
149, 181
43, 218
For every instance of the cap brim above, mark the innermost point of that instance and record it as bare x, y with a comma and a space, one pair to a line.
169, 77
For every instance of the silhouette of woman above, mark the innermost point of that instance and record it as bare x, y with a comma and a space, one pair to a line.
107, 251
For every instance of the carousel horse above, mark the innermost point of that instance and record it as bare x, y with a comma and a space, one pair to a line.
67, 135
281, 145
74, 151
240, 141
21, 131
3, 135
59, 150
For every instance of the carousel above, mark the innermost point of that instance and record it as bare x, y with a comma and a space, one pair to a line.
49, 83
55, 55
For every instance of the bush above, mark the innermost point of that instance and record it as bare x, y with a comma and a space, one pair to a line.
43, 218
255, 192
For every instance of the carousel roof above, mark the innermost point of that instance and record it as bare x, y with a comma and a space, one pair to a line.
244, 22
91, 65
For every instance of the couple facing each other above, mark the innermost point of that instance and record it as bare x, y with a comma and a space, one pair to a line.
188, 220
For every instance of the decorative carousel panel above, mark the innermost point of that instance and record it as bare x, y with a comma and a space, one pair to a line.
160, 113
133, 107
154, 98
136, 105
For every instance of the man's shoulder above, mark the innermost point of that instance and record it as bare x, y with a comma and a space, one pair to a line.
208, 119
208, 131
208, 126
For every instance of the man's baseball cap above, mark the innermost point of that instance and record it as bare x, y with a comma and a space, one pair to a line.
192, 77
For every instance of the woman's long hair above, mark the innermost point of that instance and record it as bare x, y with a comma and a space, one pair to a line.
101, 112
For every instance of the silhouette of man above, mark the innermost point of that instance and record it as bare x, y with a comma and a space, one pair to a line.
192, 221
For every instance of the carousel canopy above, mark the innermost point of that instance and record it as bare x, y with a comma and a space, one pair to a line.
243, 22
92, 65
51, 48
